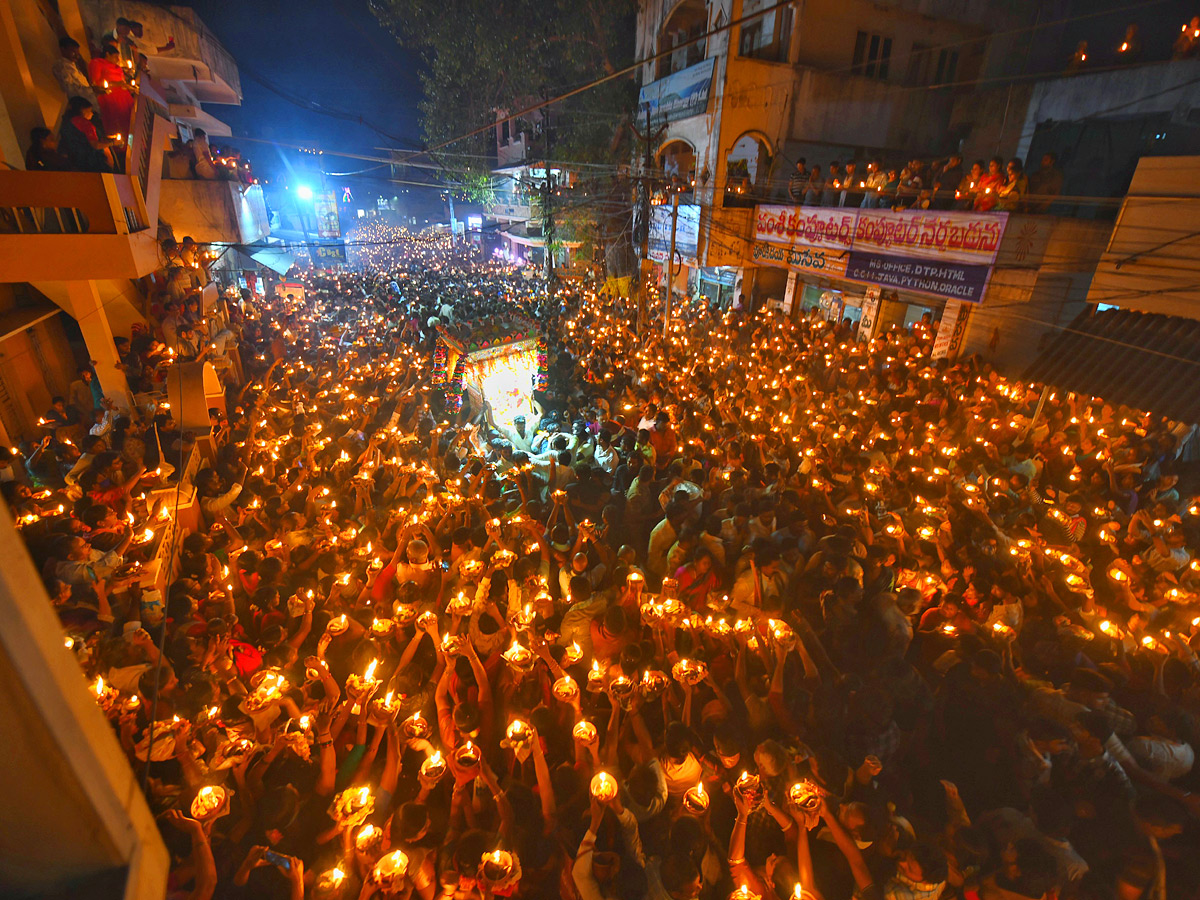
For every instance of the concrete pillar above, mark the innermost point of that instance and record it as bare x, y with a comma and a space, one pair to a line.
85, 305
16, 92
81, 813
891, 314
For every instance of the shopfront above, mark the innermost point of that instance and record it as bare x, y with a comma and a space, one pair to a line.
884, 268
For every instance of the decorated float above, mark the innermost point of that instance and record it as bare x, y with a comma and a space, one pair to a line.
498, 362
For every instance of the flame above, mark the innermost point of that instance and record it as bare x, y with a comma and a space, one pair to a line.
387, 700
370, 673
435, 758
337, 876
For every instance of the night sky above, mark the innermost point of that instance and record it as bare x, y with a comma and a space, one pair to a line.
334, 54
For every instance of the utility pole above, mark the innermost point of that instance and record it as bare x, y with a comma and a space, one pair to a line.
643, 237
548, 227
670, 266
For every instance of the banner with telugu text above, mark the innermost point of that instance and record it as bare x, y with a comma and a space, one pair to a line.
941, 253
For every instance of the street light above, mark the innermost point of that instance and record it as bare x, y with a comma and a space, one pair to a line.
304, 192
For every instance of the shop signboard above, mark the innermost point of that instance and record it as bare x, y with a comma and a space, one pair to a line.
940, 253
328, 255
325, 208
687, 233
679, 95
870, 311
951, 330
922, 276
799, 258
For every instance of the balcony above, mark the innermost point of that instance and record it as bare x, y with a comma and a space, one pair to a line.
214, 212
73, 226
512, 212
195, 59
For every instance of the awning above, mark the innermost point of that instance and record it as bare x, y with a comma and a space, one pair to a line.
1144, 360
277, 260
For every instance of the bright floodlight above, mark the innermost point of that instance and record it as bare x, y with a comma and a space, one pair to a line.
304, 192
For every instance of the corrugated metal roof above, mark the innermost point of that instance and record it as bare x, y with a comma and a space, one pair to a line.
1143, 360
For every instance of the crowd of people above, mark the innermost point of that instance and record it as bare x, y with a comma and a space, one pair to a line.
94, 131
943, 184
753, 610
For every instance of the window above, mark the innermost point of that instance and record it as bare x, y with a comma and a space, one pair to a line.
504, 133
947, 67
920, 61
767, 38
872, 54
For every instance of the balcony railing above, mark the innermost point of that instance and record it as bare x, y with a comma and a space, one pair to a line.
70, 203
64, 226
517, 211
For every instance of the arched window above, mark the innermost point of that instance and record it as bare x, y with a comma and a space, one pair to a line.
686, 22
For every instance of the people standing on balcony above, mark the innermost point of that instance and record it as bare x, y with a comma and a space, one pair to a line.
1187, 45
43, 155
115, 99
968, 187
1045, 184
122, 36
798, 182
1015, 188
946, 181
202, 157
1129, 51
912, 184
80, 142
853, 186
815, 187
833, 185
70, 70
876, 181
988, 190
1079, 59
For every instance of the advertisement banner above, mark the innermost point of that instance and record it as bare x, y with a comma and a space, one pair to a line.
963, 237
940, 253
326, 210
326, 256
952, 280
870, 311
679, 95
687, 233
799, 258
805, 226
951, 330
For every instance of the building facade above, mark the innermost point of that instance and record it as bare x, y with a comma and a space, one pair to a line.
741, 96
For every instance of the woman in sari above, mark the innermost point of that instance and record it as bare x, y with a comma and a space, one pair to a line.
79, 141
112, 93
697, 579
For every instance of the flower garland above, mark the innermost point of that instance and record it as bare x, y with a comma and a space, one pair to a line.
454, 389
439, 363
543, 364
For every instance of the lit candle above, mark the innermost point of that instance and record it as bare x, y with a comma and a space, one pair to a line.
434, 766
603, 787
390, 870
209, 799
520, 658
696, 800
467, 755
416, 727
